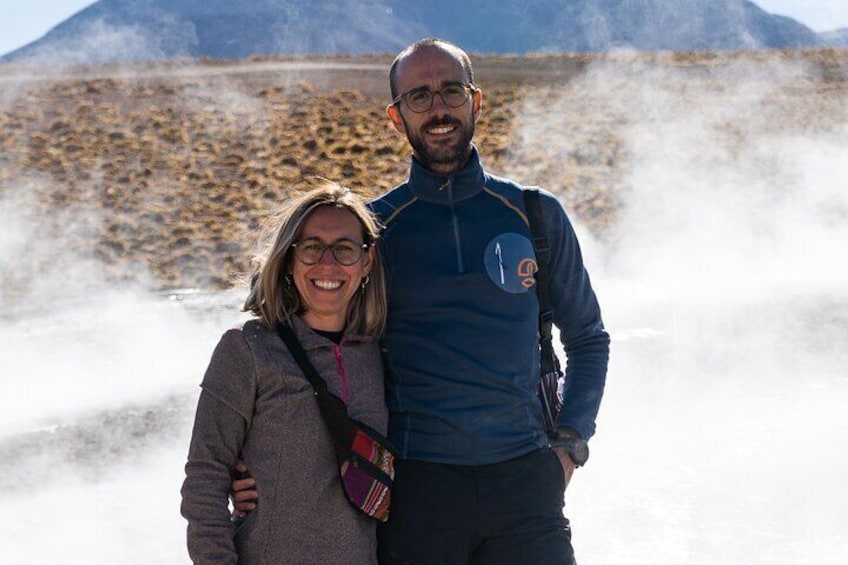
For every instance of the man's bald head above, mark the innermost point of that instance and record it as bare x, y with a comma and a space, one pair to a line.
430, 43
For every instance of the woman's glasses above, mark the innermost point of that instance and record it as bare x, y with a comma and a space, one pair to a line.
346, 252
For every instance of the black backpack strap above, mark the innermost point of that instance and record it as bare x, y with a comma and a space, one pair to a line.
332, 408
533, 207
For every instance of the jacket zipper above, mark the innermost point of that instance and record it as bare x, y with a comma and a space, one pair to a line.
459, 264
337, 352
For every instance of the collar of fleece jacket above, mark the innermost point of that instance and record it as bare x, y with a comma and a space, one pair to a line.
443, 189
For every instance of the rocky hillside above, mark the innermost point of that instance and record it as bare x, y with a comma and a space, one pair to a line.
160, 174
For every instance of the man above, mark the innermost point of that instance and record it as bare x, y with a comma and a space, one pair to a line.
477, 481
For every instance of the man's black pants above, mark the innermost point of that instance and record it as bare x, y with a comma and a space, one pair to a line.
507, 513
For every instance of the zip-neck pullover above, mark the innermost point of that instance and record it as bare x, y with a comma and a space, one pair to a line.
461, 346
256, 404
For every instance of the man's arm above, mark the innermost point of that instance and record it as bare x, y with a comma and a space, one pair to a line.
578, 316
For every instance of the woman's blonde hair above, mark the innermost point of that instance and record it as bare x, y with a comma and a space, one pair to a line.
274, 300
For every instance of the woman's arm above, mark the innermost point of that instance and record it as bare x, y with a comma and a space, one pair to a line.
221, 423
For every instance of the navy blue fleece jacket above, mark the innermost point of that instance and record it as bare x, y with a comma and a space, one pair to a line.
461, 345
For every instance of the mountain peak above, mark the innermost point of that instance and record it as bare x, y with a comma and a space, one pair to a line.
132, 30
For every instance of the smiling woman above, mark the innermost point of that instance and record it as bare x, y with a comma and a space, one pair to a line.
325, 281
322, 277
285, 281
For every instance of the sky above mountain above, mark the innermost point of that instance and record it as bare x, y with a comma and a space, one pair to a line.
24, 22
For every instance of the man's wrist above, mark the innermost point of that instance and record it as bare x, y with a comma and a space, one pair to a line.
566, 432
576, 447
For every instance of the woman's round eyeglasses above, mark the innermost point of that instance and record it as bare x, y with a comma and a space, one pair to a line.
346, 252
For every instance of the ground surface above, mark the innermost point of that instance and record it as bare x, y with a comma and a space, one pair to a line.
162, 174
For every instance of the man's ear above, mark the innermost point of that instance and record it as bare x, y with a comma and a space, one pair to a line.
477, 104
393, 113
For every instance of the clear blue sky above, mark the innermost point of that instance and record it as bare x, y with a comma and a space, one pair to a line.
22, 21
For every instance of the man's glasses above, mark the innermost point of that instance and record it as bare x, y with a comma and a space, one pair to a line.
346, 252
421, 99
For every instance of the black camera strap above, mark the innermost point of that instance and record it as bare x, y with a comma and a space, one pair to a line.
549, 362
332, 408
533, 208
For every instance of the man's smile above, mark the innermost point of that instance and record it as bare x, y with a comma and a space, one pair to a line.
441, 130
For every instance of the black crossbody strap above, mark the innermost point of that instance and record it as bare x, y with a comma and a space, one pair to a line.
533, 207
332, 408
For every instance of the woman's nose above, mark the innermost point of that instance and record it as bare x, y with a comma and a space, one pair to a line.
327, 258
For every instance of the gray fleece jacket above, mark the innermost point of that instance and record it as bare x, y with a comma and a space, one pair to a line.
256, 404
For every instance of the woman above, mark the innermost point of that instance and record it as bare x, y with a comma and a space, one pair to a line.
322, 276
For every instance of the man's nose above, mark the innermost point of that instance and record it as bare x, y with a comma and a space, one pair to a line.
438, 104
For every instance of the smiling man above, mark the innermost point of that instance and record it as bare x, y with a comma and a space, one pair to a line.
478, 480
440, 140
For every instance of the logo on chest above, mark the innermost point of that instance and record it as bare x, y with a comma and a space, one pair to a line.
511, 263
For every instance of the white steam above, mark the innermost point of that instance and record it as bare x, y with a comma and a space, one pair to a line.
97, 389
100, 41
724, 287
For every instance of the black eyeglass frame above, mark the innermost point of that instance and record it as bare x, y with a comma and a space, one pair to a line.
468, 87
362, 247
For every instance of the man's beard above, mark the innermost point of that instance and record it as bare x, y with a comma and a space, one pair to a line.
442, 157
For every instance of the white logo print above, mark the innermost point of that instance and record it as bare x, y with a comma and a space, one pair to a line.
510, 262
499, 255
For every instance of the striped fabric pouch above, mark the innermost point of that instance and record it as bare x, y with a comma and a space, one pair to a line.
368, 471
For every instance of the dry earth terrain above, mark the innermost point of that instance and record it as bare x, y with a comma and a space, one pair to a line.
161, 174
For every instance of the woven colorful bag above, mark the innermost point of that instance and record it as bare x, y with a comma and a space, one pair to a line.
368, 471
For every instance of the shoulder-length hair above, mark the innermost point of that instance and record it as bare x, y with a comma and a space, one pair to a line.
274, 300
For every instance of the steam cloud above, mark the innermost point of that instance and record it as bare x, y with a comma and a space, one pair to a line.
721, 281
723, 288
